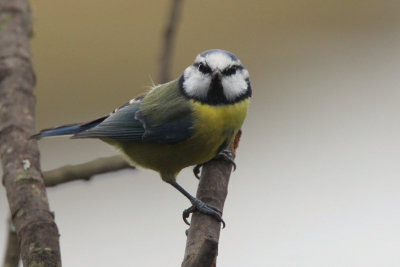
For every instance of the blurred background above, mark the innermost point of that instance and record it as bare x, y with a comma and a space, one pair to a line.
317, 182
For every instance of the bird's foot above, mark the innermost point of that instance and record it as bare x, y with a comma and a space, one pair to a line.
196, 170
200, 206
228, 156
225, 155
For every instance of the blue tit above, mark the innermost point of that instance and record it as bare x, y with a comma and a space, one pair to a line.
178, 124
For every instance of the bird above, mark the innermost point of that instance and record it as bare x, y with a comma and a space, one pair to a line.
181, 123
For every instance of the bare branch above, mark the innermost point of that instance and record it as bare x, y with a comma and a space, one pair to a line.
203, 234
169, 34
34, 223
84, 171
11, 258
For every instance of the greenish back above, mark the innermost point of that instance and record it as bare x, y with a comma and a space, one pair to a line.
165, 103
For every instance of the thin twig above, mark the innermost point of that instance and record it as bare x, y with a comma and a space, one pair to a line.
11, 258
203, 234
34, 223
84, 171
169, 37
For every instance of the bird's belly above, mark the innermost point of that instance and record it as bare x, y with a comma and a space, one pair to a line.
172, 158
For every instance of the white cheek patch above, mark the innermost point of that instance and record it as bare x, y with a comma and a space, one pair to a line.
235, 85
196, 84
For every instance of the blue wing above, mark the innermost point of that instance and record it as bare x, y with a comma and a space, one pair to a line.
129, 124
120, 125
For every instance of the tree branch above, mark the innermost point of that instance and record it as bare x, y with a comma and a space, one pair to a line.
11, 258
34, 223
84, 171
203, 234
169, 34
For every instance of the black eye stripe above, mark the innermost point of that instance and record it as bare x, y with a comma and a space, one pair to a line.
231, 70
203, 68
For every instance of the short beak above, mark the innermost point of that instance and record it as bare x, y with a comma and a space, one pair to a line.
217, 75
216, 81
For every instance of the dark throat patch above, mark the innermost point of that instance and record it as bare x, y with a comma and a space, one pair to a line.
216, 95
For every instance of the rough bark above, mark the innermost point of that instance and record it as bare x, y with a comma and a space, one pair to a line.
34, 223
203, 234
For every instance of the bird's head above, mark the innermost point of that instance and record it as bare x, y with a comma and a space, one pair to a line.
216, 77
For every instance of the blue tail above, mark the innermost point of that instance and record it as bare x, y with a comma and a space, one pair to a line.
68, 129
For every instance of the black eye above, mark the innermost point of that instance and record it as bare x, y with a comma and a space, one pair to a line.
203, 68
230, 71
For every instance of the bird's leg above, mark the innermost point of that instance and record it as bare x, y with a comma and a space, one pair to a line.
198, 205
225, 155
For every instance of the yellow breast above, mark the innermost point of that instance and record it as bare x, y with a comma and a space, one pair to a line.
220, 118
214, 128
